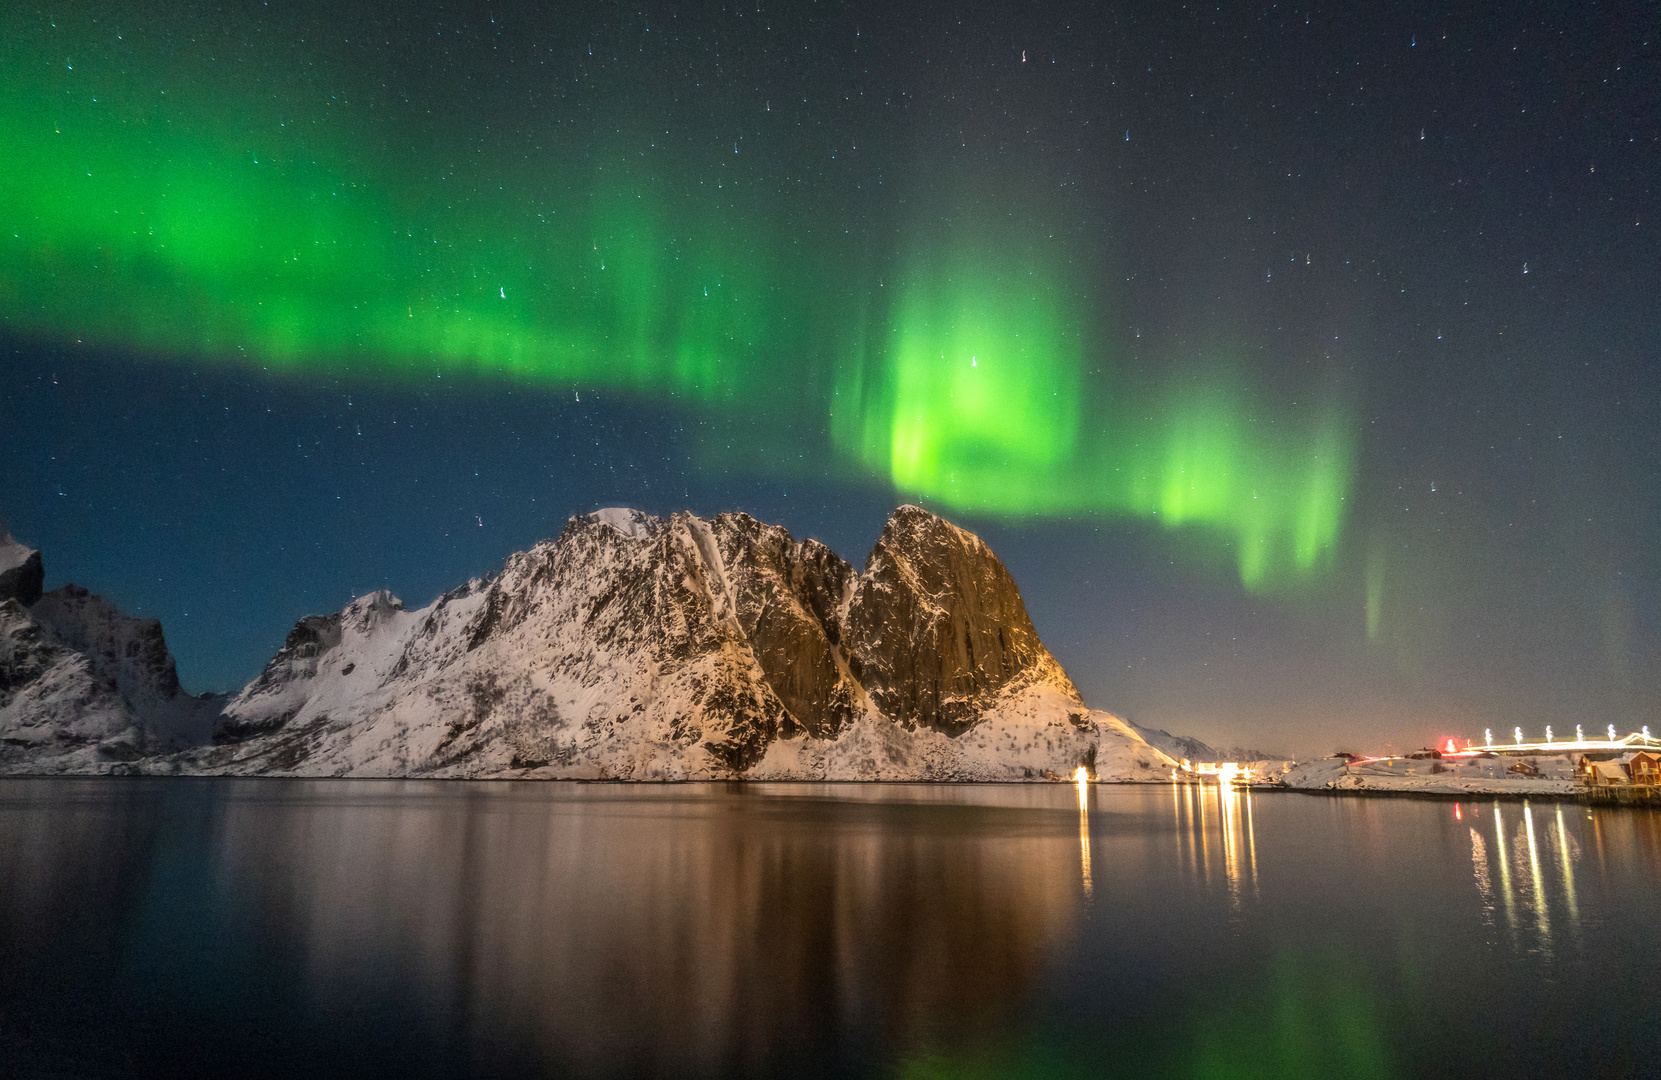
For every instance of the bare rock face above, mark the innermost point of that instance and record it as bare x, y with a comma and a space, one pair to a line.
787, 598
21, 572
130, 650
131, 653
937, 627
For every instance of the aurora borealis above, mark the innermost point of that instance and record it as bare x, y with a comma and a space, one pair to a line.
1228, 310
976, 374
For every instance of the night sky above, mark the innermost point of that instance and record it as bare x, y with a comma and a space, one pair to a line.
1302, 362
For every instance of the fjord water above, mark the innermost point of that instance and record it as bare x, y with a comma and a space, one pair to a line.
377, 928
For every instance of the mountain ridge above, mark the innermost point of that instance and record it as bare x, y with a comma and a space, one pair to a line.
673, 648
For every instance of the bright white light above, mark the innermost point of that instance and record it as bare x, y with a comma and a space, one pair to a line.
1488, 735
1548, 733
1578, 737
1519, 733
1611, 732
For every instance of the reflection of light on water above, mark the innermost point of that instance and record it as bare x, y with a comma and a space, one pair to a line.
1176, 817
1567, 859
1205, 838
1228, 807
1536, 854
1236, 834
1083, 783
1541, 914
1505, 868
1484, 885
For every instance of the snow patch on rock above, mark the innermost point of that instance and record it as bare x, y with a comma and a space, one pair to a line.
634, 524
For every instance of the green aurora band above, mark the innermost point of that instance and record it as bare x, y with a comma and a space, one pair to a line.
181, 218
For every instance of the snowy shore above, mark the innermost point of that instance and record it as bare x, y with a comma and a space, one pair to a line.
1487, 778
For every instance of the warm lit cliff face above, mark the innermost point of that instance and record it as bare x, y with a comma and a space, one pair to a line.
937, 628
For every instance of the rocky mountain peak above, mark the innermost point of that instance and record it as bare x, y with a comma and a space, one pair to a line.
85, 687
371, 611
938, 628
635, 524
787, 599
130, 649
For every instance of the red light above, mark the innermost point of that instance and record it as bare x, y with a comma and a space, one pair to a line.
1451, 748
1457, 816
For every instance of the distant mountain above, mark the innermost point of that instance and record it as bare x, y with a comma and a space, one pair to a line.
1188, 748
636, 647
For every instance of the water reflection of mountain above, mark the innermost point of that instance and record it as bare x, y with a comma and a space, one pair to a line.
606, 930
261, 928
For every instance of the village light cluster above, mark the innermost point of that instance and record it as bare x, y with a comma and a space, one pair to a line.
1620, 769
1227, 773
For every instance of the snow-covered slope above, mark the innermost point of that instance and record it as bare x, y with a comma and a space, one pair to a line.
57, 712
1186, 747
644, 648
84, 687
1484, 776
133, 654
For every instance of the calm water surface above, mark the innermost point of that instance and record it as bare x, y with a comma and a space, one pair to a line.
380, 928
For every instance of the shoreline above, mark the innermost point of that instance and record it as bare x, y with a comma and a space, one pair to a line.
1556, 795
1443, 796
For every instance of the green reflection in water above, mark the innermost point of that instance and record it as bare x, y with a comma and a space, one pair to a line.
1317, 1017
1312, 1014
155, 199
1033, 1063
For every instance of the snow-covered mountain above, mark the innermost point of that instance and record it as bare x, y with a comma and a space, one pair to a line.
83, 687
632, 647
645, 648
